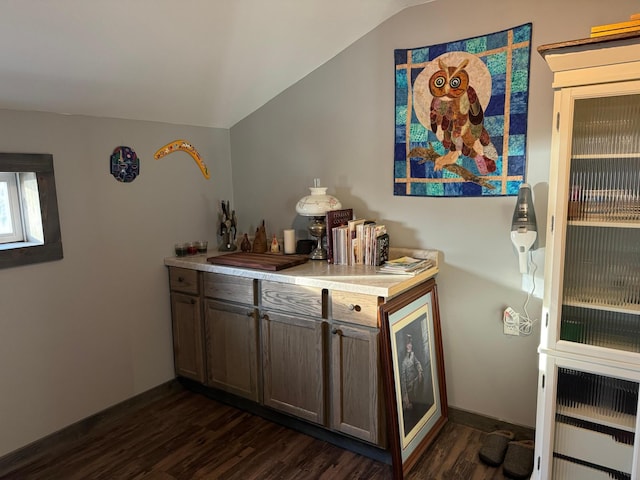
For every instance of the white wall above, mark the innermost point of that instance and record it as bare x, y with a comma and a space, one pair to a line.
338, 124
93, 329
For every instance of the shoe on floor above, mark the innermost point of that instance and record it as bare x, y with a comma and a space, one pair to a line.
518, 461
495, 446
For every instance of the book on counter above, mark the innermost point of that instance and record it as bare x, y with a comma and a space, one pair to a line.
340, 241
375, 243
355, 241
382, 249
406, 266
335, 219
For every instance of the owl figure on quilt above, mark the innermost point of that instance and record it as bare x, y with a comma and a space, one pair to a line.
447, 103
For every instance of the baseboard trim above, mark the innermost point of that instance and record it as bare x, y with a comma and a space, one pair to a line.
66, 437
489, 424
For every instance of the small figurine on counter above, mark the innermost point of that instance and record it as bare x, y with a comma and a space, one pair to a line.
260, 240
275, 246
245, 246
228, 229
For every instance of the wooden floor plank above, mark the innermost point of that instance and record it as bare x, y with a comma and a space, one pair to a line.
188, 436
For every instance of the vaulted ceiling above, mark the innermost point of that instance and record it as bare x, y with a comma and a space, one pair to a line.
193, 62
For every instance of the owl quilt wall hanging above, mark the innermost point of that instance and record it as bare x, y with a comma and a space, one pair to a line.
461, 116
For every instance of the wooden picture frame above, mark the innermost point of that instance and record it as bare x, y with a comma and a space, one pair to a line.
413, 373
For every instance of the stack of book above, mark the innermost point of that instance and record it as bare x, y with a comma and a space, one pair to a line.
632, 25
355, 241
406, 266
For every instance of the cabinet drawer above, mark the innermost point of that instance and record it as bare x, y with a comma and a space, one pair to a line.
183, 280
354, 308
294, 299
594, 447
567, 470
229, 288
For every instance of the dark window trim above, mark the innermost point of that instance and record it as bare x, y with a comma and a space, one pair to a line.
42, 165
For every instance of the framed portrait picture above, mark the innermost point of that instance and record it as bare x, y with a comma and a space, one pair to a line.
413, 373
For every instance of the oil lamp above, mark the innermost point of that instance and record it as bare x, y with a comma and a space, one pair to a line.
315, 206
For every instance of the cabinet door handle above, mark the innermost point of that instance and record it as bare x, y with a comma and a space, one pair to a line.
249, 314
264, 317
355, 308
336, 331
192, 301
180, 279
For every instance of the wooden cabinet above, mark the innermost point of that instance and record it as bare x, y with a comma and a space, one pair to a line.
293, 349
293, 365
356, 401
313, 364
232, 348
231, 335
356, 382
587, 417
308, 352
186, 316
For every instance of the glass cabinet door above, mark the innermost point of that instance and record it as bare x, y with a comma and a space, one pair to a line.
599, 304
594, 420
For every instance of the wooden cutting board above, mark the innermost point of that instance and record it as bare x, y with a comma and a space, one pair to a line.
259, 261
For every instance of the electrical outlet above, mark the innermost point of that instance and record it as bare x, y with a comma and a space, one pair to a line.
511, 322
511, 329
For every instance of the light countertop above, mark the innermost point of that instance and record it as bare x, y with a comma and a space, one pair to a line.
318, 273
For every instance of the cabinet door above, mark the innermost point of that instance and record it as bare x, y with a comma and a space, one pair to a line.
593, 298
355, 395
293, 370
186, 319
232, 348
588, 421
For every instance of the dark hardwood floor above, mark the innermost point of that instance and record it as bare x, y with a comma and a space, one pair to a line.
186, 435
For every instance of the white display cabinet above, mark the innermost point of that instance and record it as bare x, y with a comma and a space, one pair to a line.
587, 420
590, 336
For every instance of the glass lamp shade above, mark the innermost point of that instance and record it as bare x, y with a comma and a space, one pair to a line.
318, 203
316, 206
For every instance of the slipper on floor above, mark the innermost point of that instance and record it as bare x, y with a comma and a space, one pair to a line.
518, 461
495, 446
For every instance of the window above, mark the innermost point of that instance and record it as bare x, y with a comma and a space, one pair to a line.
20, 219
29, 222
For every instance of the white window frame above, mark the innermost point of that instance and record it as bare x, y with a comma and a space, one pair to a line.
13, 208
30, 207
